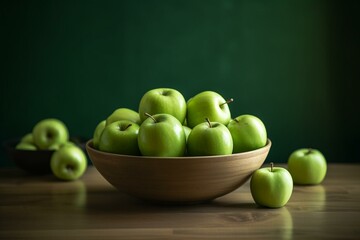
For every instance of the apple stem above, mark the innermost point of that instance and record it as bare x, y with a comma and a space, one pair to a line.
49, 135
69, 167
208, 121
147, 114
271, 166
128, 126
309, 151
227, 102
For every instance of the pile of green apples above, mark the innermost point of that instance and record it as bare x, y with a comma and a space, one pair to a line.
68, 162
166, 125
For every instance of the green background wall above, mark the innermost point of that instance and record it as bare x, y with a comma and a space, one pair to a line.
294, 64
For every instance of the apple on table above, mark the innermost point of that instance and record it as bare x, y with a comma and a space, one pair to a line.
68, 163
271, 186
307, 166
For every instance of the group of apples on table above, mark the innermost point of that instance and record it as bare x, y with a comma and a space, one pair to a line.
68, 162
272, 186
168, 126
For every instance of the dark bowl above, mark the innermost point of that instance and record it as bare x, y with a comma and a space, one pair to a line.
35, 162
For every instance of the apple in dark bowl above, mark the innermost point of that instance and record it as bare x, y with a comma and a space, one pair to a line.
35, 161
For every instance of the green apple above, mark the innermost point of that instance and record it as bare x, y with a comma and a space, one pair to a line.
55, 147
120, 137
25, 146
68, 163
307, 166
50, 133
209, 138
187, 131
207, 104
123, 114
162, 135
248, 133
26, 143
271, 186
163, 100
28, 138
97, 133
69, 143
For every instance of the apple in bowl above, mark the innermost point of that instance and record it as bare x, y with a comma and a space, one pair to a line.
34, 151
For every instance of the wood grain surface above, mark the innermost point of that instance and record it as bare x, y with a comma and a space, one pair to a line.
41, 207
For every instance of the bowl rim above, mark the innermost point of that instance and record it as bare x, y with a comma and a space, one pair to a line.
89, 147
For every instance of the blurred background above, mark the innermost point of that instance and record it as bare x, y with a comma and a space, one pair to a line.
294, 64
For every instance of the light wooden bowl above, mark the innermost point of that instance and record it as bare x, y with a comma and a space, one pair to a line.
177, 179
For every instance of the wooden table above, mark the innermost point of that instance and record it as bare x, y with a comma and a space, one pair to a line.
41, 207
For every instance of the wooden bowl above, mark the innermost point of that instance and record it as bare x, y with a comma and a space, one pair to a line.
177, 179
35, 162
